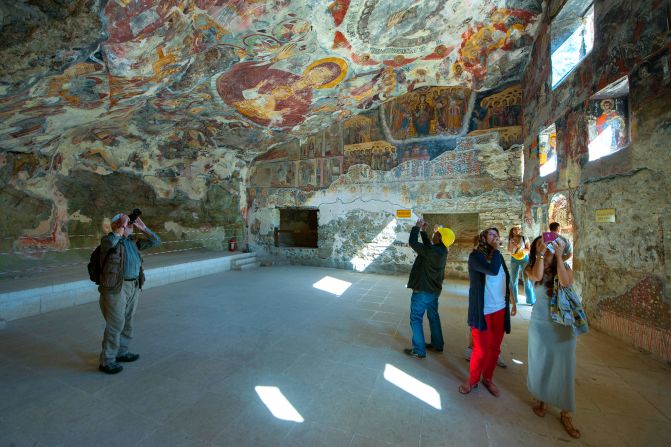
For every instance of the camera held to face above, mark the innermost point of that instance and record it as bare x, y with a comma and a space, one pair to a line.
134, 215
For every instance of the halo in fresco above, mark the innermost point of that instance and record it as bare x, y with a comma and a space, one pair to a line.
328, 71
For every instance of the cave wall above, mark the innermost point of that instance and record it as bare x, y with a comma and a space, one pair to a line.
62, 197
410, 154
622, 267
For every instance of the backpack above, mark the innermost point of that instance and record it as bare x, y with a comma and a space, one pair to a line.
95, 266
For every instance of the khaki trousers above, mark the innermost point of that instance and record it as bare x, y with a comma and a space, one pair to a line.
118, 310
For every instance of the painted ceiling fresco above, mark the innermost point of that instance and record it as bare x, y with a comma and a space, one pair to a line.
240, 74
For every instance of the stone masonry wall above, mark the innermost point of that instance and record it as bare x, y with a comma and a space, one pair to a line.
358, 228
622, 268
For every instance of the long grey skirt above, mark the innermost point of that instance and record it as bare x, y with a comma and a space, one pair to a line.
551, 376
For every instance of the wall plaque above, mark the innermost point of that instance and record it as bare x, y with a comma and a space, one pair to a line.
403, 214
604, 215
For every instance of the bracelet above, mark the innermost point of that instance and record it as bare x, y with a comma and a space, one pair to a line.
539, 256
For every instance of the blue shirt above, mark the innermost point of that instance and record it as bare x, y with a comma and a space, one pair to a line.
133, 260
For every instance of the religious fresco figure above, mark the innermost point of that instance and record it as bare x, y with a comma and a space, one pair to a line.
454, 115
609, 119
422, 116
442, 106
277, 98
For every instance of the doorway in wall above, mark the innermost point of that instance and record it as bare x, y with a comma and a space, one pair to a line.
298, 228
560, 211
465, 227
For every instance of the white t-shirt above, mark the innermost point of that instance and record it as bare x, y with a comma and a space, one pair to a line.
495, 292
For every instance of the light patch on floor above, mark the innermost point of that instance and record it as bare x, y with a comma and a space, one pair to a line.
332, 285
278, 405
410, 385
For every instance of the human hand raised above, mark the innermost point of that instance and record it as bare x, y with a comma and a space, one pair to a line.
139, 224
560, 245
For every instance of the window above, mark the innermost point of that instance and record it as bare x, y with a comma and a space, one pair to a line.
298, 228
572, 37
608, 119
547, 150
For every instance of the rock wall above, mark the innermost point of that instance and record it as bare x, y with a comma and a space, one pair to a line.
60, 199
358, 196
622, 268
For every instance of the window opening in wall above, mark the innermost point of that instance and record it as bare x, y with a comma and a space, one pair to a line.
547, 151
608, 118
559, 211
298, 228
571, 38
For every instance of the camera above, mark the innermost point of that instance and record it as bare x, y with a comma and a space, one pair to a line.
132, 217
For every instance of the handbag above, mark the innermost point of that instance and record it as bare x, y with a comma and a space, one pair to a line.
566, 308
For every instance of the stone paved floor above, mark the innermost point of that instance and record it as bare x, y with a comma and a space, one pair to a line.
206, 344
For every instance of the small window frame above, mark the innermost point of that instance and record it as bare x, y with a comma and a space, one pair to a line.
583, 30
549, 150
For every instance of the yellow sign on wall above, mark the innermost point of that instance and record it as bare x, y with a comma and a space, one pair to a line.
403, 214
605, 215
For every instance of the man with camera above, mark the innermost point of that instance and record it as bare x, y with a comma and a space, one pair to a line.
426, 282
121, 280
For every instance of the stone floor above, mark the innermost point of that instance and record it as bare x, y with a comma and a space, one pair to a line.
208, 343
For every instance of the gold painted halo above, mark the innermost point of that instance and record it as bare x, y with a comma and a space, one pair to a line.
329, 60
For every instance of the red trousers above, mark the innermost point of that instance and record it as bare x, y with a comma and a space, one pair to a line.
487, 347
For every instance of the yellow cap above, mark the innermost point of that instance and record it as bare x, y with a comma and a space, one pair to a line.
446, 236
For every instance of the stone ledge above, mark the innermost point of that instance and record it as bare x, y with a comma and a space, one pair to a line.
29, 302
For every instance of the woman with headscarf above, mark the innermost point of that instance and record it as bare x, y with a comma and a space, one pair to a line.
488, 309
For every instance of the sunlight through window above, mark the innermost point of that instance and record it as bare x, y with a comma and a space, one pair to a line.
601, 145
375, 248
332, 285
410, 385
278, 405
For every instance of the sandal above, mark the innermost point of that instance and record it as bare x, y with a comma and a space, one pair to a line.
493, 389
465, 389
540, 408
567, 422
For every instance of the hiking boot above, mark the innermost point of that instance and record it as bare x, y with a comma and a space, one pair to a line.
412, 353
111, 368
127, 357
433, 348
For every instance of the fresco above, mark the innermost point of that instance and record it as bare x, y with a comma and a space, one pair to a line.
427, 150
260, 69
499, 110
362, 128
331, 169
309, 173
428, 112
176, 98
547, 151
609, 118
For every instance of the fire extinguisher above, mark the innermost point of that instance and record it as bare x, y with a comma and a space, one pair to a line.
232, 245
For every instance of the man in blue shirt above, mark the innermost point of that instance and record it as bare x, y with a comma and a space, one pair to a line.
426, 282
121, 281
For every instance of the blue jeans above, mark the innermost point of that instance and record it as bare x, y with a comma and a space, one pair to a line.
515, 267
421, 302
